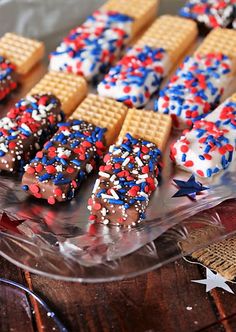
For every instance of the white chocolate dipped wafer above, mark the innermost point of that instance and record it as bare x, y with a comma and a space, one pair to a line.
198, 85
91, 48
139, 73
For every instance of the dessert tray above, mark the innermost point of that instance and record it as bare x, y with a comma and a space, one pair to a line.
59, 242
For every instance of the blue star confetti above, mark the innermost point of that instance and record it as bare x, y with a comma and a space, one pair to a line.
189, 188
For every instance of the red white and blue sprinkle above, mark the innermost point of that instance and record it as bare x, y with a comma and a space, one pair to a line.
7, 78
91, 48
195, 89
126, 180
136, 76
210, 13
72, 153
25, 129
209, 146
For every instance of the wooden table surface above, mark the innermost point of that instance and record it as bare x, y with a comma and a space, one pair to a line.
163, 300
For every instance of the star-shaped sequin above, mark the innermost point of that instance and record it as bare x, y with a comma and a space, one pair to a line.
214, 280
189, 188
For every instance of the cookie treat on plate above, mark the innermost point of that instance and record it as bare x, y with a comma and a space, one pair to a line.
139, 73
25, 128
209, 146
130, 170
210, 14
69, 89
74, 151
17, 57
91, 48
199, 83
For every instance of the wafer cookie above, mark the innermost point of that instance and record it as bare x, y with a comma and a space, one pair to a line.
198, 85
221, 41
65, 161
102, 112
69, 89
209, 147
142, 11
148, 125
172, 33
130, 170
139, 73
23, 52
91, 48
75, 150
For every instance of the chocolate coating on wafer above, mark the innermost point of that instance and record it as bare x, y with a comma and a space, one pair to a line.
25, 128
126, 180
65, 161
8, 78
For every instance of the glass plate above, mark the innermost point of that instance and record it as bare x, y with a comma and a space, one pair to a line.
59, 242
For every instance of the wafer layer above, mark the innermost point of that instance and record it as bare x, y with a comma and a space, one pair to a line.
23, 52
142, 11
172, 33
148, 125
219, 41
102, 112
69, 88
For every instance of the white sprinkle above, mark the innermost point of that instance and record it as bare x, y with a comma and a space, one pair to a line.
143, 176
106, 222
118, 151
103, 174
31, 99
96, 185
105, 196
89, 168
126, 162
124, 155
146, 157
140, 181
113, 177
143, 194
136, 149
25, 127
114, 194
59, 168
139, 161
103, 212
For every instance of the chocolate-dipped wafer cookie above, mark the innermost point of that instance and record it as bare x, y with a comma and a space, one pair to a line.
25, 128
130, 170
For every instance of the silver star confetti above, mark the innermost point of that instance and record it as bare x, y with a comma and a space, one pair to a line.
214, 280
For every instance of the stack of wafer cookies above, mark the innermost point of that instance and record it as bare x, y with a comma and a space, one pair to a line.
130, 170
74, 151
91, 48
17, 57
198, 85
139, 73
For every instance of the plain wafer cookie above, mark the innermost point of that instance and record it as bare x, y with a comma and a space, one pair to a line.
147, 125
173, 34
142, 11
102, 112
23, 52
69, 89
